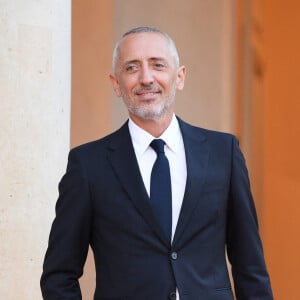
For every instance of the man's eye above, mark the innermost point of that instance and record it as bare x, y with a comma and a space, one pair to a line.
131, 68
159, 65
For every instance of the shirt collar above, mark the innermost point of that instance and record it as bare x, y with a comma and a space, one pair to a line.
141, 139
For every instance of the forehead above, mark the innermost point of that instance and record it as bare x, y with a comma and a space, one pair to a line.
145, 45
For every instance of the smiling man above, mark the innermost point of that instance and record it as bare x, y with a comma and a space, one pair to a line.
159, 200
146, 75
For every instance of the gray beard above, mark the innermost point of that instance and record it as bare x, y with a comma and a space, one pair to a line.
150, 113
147, 113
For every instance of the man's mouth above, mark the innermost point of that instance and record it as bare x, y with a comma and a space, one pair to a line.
148, 93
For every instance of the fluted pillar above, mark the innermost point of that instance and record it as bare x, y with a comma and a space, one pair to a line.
34, 135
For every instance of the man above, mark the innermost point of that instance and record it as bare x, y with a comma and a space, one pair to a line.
158, 221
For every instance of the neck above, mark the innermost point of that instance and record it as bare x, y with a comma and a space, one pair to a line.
155, 127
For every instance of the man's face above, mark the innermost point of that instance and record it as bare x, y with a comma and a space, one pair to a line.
146, 76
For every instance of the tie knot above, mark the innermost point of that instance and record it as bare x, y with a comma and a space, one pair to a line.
158, 146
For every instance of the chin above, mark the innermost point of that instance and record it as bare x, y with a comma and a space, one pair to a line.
150, 113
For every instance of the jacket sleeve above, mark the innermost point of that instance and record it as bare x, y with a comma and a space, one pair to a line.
69, 236
244, 245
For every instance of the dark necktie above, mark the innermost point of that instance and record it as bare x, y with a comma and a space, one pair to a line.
160, 188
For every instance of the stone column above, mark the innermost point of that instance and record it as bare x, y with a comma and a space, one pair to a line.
34, 135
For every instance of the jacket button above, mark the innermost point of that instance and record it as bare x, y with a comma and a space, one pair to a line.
172, 296
174, 255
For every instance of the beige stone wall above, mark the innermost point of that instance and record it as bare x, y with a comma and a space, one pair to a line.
34, 135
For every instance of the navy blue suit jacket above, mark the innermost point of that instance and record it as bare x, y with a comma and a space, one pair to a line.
103, 203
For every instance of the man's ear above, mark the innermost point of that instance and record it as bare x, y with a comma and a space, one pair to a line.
115, 85
180, 78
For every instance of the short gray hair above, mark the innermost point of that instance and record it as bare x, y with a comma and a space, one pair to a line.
142, 29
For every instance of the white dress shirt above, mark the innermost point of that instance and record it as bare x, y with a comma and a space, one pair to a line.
174, 150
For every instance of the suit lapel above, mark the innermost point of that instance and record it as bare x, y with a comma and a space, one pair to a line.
197, 153
124, 163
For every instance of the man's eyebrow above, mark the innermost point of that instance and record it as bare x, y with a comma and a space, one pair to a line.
158, 58
132, 61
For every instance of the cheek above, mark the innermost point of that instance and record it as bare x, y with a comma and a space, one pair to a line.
169, 82
127, 86
173, 86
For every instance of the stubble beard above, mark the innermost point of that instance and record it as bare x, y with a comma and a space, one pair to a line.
150, 111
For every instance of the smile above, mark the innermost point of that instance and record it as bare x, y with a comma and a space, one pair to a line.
148, 95
148, 92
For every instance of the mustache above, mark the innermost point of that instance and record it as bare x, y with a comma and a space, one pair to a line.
151, 88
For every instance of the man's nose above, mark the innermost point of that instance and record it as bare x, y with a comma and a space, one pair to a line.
146, 76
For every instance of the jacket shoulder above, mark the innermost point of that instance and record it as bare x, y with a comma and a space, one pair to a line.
103, 144
204, 133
